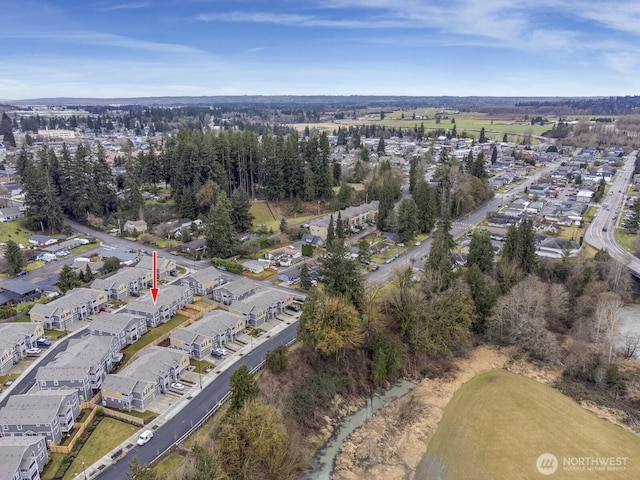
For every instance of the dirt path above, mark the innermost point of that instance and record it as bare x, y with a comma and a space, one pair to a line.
391, 444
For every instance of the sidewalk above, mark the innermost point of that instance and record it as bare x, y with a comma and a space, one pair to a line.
207, 379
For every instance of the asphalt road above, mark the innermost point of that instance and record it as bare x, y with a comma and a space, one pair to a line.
24, 383
607, 218
166, 435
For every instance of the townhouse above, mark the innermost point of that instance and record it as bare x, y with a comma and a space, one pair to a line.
262, 306
76, 305
165, 266
171, 298
353, 218
236, 290
50, 414
82, 366
22, 458
150, 374
203, 282
15, 339
126, 328
212, 331
126, 282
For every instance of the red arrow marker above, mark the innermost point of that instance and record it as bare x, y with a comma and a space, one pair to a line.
154, 289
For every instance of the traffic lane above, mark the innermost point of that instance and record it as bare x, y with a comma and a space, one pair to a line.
166, 435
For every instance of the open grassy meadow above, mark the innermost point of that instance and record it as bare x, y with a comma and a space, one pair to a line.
499, 423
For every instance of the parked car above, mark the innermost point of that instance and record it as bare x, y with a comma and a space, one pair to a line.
295, 308
33, 351
43, 342
177, 386
21, 273
219, 352
375, 267
145, 437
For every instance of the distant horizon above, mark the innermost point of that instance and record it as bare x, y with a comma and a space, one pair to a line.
491, 48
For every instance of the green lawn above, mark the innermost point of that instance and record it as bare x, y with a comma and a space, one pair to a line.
625, 239
168, 464
150, 336
499, 423
261, 214
14, 231
108, 434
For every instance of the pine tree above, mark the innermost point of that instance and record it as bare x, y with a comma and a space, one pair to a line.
340, 226
283, 225
494, 154
381, 147
426, 206
407, 220
67, 279
483, 138
13, 257
220, 233
241, 217
341, 275
88, 274
331, 234
439, 260
305, 277
243, 387
481, 251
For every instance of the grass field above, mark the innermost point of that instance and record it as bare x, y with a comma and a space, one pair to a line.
262, 214
168, 464
14, 231
108, 434
499, 423
151, 335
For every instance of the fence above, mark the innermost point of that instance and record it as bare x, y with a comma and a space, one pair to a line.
123, 416
79, 432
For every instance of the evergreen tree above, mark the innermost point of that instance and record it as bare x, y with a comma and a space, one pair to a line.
483, 138
305, 277
494, 154
632, 223
364, 153
220, 233
407, 220
241, 217
439, 260
481, 251
340, 274
13, 257
528, 258
88, 275
343, 199
484, 297
67, 279
243, 387
331, 234
363, 250
380, 149
283, 225
505, 139
340, 226
426, 206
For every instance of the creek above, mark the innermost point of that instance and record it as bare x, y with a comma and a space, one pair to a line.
326, 456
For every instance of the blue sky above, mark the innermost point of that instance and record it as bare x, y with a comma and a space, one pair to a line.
104, 48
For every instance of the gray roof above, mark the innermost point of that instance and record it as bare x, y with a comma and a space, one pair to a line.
214, 323
112, 323
263, 299
12, 451
125, 275
185, 335
33, 408
20, 287
205, 274
240, 287
116, 382
63, 373
13, 333
166, 296
73, 298
124, 255
151, 362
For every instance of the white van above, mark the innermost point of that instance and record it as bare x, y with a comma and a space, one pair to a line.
145, 437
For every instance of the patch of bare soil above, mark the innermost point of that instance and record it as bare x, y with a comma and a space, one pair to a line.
391, 443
